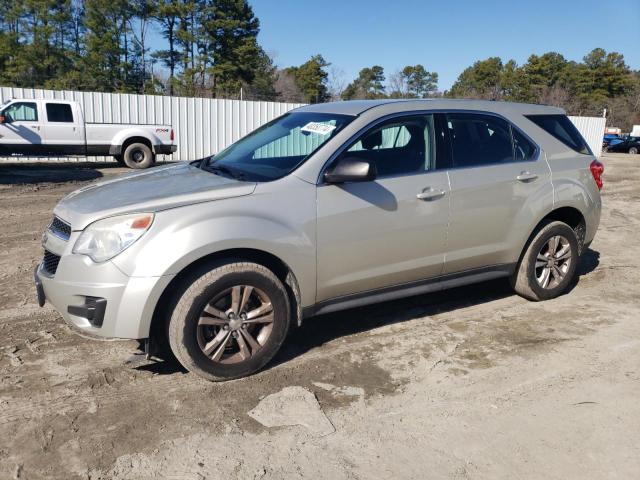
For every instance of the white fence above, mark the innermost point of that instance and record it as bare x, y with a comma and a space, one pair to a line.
592, 129
202, 125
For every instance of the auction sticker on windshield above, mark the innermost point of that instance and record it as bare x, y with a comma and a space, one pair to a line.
320, 128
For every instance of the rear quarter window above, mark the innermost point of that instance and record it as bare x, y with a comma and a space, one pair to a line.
560, 127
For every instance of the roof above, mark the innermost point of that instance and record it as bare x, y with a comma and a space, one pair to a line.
387, 105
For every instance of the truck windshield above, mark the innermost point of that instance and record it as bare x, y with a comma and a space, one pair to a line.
277, 148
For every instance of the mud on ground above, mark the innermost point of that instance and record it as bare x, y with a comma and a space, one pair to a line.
471, 383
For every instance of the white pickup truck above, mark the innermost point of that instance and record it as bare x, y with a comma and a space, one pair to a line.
43, 127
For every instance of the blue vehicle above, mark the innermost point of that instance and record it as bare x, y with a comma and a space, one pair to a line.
610, 139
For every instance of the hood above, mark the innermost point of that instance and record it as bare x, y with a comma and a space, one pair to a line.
149, 191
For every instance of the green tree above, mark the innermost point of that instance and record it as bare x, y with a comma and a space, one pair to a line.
413, 82
368, 85
311, 79
11, 13
481, 80
231, 29
104, 65
167, 14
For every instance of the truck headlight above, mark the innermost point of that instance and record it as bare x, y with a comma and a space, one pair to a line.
106, 238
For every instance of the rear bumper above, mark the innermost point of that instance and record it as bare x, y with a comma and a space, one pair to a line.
165, 149
100, 300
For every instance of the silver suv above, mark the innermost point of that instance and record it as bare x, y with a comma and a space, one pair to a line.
327, 207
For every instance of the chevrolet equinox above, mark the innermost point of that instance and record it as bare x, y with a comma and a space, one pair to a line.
328, 207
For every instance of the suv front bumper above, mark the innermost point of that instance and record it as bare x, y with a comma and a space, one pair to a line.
98, 299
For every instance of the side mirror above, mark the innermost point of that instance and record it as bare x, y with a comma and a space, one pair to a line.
351, 169
3, 119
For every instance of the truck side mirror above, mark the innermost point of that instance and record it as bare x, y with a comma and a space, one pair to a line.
3, 119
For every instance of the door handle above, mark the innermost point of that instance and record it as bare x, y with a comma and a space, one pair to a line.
35, 127
526, 177
430, 194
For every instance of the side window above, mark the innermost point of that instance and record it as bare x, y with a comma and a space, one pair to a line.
59, 112
22, 112
401, 146
523, 149
478, 139
562, 129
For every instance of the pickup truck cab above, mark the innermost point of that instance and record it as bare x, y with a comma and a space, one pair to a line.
44, 127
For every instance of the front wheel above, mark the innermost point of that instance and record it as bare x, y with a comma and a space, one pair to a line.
230, 321
138, 155
633, 150
548, 264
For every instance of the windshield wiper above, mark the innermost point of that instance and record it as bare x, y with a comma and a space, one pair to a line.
225, 171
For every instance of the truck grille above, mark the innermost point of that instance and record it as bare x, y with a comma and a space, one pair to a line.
60, 228
50, 262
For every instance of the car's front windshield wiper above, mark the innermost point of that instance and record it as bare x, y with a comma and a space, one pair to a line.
222, 169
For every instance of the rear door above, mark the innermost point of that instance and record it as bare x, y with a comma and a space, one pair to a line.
390, 231
64, 129
497, 175
21, 132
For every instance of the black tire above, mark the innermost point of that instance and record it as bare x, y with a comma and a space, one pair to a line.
525, 279
186, 335
138, 155
120, 160
633, 150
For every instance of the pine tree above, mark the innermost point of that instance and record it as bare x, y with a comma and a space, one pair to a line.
311, 79
231, 30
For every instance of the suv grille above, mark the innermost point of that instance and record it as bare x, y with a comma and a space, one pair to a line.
50, 262
60, 228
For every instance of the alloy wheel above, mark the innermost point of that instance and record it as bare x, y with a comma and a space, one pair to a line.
553, 262
235, 324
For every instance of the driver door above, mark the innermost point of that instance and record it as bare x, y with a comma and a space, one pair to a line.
390, 231
22, 130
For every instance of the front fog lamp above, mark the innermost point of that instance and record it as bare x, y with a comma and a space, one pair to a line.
106, 238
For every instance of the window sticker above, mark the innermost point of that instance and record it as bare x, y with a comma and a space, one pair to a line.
319, 128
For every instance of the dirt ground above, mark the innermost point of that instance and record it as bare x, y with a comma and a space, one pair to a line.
472, 383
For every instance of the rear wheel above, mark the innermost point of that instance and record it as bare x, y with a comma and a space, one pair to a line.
549, 263
633, 150
230, 321
138, 155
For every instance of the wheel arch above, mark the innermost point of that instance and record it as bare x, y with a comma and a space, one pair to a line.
136, 139
205, 263
569, 215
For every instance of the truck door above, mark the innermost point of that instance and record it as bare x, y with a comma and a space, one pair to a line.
21, 129
64, 129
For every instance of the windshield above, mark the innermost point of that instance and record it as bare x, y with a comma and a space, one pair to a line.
277, 148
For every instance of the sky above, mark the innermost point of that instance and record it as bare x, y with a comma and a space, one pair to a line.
443, 36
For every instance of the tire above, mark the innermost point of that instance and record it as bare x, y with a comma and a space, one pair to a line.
529, 279
120, 160
138, 155
633, 150
214, 350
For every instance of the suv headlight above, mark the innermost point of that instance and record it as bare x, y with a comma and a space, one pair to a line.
106, 238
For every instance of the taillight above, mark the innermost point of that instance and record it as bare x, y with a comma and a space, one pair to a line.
171, 135
597, 169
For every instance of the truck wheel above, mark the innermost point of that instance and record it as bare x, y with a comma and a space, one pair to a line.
633, 150
230, 321
138, 155
548, 264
